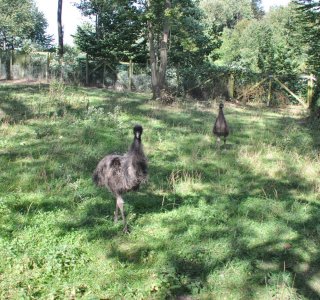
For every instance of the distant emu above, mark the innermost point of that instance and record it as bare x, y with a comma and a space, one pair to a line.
220, 128
123, 173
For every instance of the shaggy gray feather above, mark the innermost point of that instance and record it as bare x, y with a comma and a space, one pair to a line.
220, 127
123, 173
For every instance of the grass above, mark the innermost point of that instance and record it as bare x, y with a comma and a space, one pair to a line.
240, 223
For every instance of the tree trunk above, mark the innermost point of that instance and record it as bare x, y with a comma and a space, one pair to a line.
130, 75
103, 74
9, 63
47, 67
178, 78
87, 69
164, 48
158, 73
60, 37
231, 86
310, 90
8, 60
153, 61
269, 92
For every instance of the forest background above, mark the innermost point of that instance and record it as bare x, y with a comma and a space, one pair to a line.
198, 49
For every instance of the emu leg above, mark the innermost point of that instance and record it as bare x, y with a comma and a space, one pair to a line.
218, 142
120, 204
116, 213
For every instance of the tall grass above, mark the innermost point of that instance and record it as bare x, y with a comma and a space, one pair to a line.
240, 223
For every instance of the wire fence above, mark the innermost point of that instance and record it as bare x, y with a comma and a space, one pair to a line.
78, 69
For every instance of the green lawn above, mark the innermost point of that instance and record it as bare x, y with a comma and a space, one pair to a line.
240, 223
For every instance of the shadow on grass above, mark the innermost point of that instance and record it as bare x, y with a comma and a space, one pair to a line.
283, 253
258, 224
13, 110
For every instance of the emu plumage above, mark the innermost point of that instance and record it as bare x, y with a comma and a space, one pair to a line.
123, 173
221, 128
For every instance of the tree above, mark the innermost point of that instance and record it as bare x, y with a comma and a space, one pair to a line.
158, 21
309, 15
269, 45
60, 29
177, 39
227, 13
256, 6
290, 54
117, 34
60, 38
38, 35
172, 29
191, 47
20, 23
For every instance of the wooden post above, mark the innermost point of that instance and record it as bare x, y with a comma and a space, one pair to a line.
10, 64
23, 66
87, 69
310, 90
47, 67
30, 69
231, 86
178, 78
130, 74
269, 91
103, 74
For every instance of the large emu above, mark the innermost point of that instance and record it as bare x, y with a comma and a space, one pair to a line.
123, 173
220, 128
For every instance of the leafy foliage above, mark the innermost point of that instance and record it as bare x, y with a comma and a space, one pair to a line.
309, 14
229, 13
116, 34
268, 45
21, 21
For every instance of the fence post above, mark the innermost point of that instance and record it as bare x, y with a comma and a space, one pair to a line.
87, 69
10, 64
310, 90
231, 86
103, 74
130, 74
269, 91
47, 67
30, 68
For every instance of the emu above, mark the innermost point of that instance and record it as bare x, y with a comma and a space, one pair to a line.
220, 128
123, 173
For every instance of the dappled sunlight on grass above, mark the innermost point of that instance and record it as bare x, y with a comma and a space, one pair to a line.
236, 223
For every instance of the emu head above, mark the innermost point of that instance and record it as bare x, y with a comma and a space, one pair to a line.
137, 130
221, 105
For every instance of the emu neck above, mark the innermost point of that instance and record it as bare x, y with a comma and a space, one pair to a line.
136, 145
